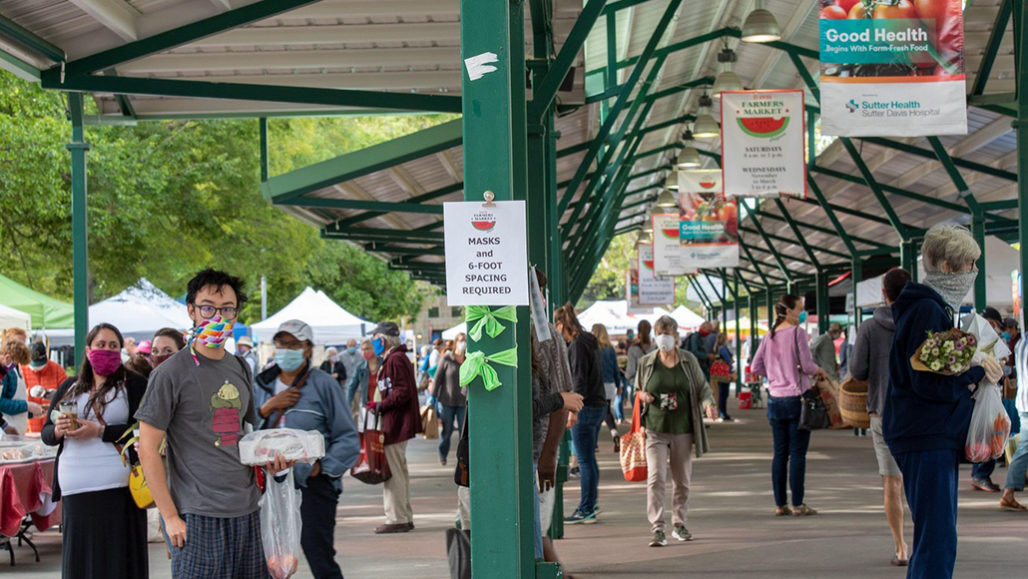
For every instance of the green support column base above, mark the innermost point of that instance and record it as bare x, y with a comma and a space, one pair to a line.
548, 570
556, 530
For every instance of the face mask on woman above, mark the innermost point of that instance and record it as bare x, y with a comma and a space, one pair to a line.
288, 360
460, 347
665, 342
803, 317
368, 355
104, 362
158, 359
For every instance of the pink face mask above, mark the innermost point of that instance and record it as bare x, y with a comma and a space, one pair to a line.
104, 362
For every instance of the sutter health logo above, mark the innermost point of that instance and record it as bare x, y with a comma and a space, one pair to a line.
852, 106
483, 221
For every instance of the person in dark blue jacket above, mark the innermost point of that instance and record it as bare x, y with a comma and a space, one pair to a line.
927, 415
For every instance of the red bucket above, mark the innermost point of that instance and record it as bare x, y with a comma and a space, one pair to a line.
745, 400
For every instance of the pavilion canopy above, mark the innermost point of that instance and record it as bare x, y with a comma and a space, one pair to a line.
12, 318
330, 322
46, 311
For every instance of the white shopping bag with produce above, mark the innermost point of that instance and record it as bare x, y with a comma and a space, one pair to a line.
281, 525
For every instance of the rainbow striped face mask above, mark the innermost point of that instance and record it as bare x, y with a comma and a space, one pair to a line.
212, 333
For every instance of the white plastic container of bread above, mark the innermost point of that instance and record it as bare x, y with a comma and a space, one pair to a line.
262, 446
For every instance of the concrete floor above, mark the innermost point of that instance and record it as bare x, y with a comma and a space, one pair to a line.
730, 515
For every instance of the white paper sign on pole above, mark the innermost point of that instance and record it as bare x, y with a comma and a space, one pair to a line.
668, 254
762, 151
486, 253
653, 290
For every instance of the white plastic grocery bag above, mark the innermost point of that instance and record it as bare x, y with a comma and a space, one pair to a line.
281, 526
990, 425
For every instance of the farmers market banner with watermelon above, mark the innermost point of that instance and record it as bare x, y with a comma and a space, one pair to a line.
762, 143
708, 227
893, 68
652, 290
668, 253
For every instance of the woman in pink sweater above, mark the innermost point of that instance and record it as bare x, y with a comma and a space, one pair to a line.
784, 358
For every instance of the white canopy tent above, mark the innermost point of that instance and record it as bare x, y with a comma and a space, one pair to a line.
330, 322
1000, 261
12, 318
461, 328
138, 312
615, 316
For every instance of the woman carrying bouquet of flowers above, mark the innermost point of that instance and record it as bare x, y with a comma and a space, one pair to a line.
927, 413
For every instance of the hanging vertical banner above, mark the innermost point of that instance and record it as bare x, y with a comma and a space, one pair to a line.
762, 153
653, 290
643, 293
708, 223
893, 68
668, 253
644, 261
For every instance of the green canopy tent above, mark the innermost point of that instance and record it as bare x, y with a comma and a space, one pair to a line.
46, 312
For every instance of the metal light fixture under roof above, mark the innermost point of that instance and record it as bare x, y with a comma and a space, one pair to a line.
666, 200
726, 79
647, 228
689, 157
761, 26
705, 126
671, 183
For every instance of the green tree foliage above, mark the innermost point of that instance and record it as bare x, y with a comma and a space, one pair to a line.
608, 281
168, 198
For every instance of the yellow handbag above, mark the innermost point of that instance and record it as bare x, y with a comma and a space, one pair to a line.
137, 480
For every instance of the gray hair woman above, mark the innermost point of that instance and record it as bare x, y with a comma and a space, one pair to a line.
673, 389
927, 415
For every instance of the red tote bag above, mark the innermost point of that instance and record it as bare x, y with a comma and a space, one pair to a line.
633, 449
371, 466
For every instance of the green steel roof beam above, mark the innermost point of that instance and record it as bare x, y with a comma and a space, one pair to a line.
288, 187
53, 79
825, 230
611, 33
803, 240
756, 266
778, 255
407, 235
403, 250
383, 206
805, 75
19, 67
442, 192
771, 249
830, 212
707, 80
927, 154
619, 104
963, 190
182, 35
992, 48
891, 189
670, 123
31, 40
682, 45
543, 95
709, 305
876, 189
1005, 204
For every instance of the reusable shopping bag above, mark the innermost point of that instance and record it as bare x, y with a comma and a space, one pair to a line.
371, 467
633, 448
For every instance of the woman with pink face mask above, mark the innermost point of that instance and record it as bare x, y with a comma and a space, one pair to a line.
104, 531
166, 343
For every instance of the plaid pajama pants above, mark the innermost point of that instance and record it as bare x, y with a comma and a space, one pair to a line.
221, 548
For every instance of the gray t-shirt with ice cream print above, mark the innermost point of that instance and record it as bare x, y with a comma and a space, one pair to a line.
203, 411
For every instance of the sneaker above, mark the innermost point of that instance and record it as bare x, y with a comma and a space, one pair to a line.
658, 540
596, 509
578, 517
985, 484
681, 533
574, 472
617, 445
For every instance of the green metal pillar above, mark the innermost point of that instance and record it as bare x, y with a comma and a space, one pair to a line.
769, 300
1020, 127
495, 159
79, 225
754, 332
823, 305
262, 128
738, 337
981, 283
857, 275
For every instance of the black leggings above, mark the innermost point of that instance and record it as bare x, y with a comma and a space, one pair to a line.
610, 419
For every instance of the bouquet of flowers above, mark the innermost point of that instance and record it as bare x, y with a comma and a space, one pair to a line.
948, 353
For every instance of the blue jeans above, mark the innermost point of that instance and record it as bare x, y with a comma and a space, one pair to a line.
1019, 462
584, 434
930, 483
446, 415
790, 445
983, 470
619, 400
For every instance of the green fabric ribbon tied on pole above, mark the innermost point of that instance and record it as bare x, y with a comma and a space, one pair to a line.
477, 364
488, 320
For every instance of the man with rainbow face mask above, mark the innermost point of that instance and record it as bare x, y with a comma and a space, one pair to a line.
201, 401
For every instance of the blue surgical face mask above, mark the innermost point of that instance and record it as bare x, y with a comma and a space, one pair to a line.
1006, 336
288, 360
379, 345
803, 317
351, 351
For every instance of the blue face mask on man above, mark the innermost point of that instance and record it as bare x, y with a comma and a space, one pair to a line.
288, 360
379, 345
351, 351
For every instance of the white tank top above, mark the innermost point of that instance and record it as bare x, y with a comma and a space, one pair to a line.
93, 465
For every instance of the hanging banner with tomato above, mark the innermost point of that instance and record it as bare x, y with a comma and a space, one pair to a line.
652, 290
668, 253
762, 150
708, 228
892, 68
